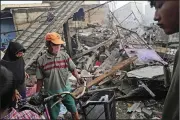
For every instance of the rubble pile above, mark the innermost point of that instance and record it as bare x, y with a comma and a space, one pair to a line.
146, 79
165, 45
93, 36
140, 87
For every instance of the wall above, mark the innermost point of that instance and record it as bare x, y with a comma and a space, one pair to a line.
24, 16
123, 12
98, 15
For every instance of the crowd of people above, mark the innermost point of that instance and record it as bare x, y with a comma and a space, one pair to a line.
54, 66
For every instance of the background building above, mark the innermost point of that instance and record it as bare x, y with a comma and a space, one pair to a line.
130, 15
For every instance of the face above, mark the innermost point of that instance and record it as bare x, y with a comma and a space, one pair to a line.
20, 54
53, 48
167, 15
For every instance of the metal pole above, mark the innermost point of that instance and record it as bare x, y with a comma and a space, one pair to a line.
67, 38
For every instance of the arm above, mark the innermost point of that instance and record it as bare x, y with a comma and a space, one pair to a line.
72, 68
76, 75
39, 77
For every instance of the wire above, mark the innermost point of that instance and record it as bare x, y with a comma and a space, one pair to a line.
136, 18
92, 13
127, 17
138, 10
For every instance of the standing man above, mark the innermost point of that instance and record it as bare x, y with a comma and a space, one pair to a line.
53, 71
167, 15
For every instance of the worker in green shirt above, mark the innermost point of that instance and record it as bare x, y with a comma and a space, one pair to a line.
53, 71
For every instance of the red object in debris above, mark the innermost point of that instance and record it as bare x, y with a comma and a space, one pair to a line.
98, 63
31, 90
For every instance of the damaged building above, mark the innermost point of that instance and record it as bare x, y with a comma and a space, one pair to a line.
131, 58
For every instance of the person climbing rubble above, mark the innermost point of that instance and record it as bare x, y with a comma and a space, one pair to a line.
53, 71
167, 15
13, 60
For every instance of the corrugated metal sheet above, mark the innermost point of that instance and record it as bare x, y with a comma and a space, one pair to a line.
33, 37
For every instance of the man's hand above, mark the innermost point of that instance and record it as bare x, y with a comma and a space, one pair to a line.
80, 80
78, 77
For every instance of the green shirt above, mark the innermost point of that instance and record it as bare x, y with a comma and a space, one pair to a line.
54, 70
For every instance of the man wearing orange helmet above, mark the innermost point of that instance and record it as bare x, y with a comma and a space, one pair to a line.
53, 70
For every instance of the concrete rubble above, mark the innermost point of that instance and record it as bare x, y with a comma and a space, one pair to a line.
140, 87
143, 81
135, 63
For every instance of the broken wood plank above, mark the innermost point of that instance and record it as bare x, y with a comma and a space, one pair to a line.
115, 68
106, 80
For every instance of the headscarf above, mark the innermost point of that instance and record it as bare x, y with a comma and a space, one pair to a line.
12, 50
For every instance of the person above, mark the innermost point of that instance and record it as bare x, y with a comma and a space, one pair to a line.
13, 60
53, 71
167, 15
7, 89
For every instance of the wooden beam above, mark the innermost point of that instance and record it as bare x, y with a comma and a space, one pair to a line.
67, 38
115, 68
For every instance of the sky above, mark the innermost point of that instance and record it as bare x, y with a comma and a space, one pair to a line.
19, 2
113, 5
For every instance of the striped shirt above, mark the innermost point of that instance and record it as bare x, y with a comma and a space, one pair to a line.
54, 70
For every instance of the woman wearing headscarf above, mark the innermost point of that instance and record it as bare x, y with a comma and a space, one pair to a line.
13, 60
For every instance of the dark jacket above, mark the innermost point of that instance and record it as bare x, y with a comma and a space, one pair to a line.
171, 105
14, 64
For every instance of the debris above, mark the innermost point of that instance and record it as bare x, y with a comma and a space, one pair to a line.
157, 112
135, 93
100, 52
144, 86
147, 112
112, 71
150, 103
97, 90
105, 43
156, 118
138, 109
145, 56
107, 79
133, 116
2, 54
133, 107
90, 63
147, 72
86, 74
